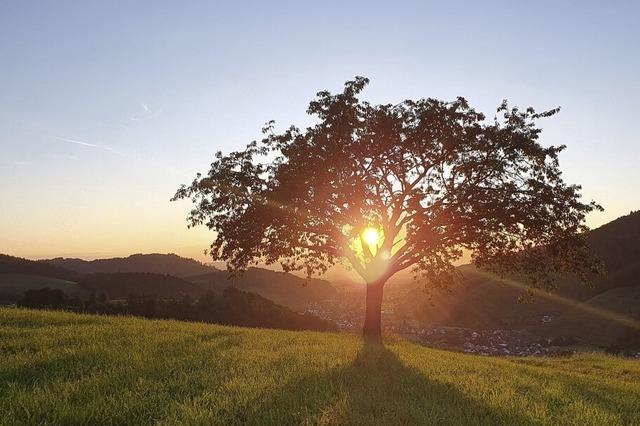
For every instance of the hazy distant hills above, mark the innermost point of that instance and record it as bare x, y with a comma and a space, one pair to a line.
283, 288
165, 275
13, 286
18, 265
164, 264
18, 275
485, 301
119, 285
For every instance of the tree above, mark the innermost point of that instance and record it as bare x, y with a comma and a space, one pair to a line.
390, 187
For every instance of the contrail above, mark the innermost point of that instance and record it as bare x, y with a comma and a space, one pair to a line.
76, 142
91, 145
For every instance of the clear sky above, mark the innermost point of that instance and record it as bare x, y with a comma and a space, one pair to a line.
106, 107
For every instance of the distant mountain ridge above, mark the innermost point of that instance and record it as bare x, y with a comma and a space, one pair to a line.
18, 265
283, 288
156, 263
165, 275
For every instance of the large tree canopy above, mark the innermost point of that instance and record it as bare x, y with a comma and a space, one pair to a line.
434, 178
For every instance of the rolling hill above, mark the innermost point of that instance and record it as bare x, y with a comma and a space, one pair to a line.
13, 286
19, 265
18, 275
484, 301
603, 318
283, 288
119, 285
617, 243
62, 368
163, 264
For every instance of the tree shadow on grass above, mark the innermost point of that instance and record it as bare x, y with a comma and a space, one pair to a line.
376, 388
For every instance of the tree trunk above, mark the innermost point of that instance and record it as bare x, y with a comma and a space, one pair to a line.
373, 314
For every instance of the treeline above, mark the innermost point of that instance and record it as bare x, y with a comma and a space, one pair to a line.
232, 307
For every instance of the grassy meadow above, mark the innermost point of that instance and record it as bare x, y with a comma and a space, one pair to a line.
62, 368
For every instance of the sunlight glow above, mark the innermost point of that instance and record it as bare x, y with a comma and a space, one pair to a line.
371, 236
581, 306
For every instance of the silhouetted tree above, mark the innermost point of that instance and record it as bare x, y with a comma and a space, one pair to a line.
433, 178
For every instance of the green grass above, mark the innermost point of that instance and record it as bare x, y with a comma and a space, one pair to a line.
63, 368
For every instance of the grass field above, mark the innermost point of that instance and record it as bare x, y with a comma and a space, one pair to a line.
67, 368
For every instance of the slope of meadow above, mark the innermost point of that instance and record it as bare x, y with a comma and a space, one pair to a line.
67, 368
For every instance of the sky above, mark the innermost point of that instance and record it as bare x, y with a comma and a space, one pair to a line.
107, 107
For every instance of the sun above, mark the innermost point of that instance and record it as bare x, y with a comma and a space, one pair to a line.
371, 236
